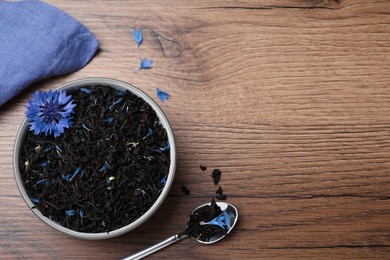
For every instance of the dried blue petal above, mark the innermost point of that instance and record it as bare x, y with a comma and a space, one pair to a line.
165, 148
150, 132
115, 103
121, 93
162, 95
75, 173
66, 177
42, 181
223, 221
35, 200
58, 148
85, 127
164, 180
81, 213
70, 212
137, 35
145, 64
109, 120
104, 167
49, 112
86, 90
44, 164
227, 220
47, 149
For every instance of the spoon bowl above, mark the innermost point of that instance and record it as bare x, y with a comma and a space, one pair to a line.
231, 214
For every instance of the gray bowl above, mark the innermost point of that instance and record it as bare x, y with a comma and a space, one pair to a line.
95, 236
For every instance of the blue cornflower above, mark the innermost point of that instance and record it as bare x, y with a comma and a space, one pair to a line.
49, 112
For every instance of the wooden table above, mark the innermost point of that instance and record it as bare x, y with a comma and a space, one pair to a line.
289, 99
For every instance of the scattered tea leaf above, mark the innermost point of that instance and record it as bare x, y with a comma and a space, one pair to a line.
185, 190
220, 195
203, 168
216, 174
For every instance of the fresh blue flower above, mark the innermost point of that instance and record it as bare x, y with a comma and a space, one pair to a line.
145, 64
86, 90
70, 212
162, 95
223, 221
137, 35
49, 112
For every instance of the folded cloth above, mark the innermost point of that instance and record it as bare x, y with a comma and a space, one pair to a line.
39, 41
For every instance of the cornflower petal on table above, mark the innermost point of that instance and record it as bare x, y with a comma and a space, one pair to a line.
137, 35
162, 95
49, 112
145, 64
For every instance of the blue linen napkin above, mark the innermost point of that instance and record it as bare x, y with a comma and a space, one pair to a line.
38, 41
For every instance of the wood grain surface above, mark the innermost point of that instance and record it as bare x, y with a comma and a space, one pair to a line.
289, 99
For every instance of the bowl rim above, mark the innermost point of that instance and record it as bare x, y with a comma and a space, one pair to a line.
117, 84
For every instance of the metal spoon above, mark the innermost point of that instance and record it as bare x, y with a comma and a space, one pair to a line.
230, 209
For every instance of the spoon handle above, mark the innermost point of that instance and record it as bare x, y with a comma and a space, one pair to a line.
156, 247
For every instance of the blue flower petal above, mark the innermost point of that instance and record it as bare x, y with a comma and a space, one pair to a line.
35, 200
109, 120
145, 64
70, 212
75, 173
164, 180
104, 167
223, 221
137, 35
162, 95
86, 90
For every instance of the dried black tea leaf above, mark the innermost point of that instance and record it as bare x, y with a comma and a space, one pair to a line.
203, 168
220, 195
185, 190
216, 174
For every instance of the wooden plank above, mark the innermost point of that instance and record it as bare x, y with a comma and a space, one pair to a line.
289, 99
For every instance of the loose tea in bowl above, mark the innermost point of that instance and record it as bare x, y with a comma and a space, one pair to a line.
95, 158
